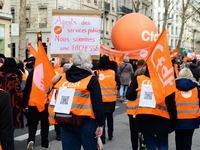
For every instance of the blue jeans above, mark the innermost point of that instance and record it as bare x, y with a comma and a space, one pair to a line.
109, 118
156, 140
73, 137
123, 89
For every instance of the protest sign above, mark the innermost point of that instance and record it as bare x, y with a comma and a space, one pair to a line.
75, 30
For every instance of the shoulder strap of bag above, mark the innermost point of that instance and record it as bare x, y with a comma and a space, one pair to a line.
123, 69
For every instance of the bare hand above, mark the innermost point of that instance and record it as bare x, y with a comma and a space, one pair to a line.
99, 131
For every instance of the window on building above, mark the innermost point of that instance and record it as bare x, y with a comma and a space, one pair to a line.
107, 25
113, 5
172, 30
124, 2
163, 16
176, 42
159, 1
158, 28
172, 17
13, 14
95, 2
176, 30
167, 27
159, 16
172, 42
42, 17
28, 17
177, 5
113, 22
176, 18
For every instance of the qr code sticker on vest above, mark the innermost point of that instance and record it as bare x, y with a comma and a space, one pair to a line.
64, 100
148, 95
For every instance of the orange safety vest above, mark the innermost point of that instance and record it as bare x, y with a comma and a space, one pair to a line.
81, 104
108, 85
187, 104
131, 107
51, 112
159, 110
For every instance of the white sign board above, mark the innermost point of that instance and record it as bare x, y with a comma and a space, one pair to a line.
15, 29
71, 33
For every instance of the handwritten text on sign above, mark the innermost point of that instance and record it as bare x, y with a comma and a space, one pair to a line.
69, 34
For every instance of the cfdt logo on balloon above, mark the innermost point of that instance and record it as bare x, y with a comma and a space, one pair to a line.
134, 31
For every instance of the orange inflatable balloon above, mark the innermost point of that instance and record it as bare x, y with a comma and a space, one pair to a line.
134, 31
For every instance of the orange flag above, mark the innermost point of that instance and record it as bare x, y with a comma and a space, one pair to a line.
190, 56
57, 62
174, 53
160, 69
32, 50
42, 76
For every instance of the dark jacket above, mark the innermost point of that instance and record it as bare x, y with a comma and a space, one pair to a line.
151, 123
6, 122
75, 74
10, 82
185, 84
33, 113
195, 69
125, 72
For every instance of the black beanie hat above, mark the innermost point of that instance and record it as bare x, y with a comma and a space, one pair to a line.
10, 62
2, 56
105, 59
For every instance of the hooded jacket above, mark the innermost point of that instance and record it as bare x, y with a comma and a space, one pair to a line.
186, 84
75, 74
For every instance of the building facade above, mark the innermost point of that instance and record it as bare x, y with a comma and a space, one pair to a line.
191, 33
5, 22
39, 13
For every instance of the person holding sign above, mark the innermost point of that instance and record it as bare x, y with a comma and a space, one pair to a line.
154, 120
79, 90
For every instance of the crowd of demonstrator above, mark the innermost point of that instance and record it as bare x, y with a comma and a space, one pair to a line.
97, 86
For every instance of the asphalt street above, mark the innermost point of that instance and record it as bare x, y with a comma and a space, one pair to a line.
121, 139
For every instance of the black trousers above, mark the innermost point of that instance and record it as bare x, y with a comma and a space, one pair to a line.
57, 129
183, 139
110, 125
32, 128
133, 133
